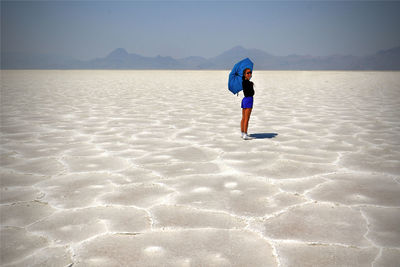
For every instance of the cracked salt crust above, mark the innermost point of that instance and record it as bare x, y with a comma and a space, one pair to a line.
101, 173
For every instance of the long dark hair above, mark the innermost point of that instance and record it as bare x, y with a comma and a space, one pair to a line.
244, 73
243, 77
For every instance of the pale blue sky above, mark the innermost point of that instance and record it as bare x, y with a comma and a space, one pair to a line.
89, 29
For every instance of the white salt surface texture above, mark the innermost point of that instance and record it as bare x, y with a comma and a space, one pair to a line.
147, 168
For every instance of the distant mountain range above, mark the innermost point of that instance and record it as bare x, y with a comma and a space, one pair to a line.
121, 59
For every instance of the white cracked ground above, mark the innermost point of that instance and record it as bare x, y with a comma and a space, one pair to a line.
147, 168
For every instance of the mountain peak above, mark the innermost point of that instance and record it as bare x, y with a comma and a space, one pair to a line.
237, 48
119, 58
118, 53
394, 50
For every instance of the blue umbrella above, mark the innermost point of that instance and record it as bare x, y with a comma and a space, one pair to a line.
235, 77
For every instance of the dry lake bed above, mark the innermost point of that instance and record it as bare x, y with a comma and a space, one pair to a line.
147, 168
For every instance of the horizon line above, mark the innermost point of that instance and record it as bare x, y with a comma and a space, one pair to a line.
237, 46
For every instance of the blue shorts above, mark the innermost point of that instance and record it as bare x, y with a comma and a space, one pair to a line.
247, 102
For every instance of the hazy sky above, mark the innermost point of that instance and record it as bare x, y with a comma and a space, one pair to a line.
89, 29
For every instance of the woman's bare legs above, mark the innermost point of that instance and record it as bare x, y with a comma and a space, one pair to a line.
244, 125
242, 122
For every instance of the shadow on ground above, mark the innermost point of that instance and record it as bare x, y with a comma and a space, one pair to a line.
263, 135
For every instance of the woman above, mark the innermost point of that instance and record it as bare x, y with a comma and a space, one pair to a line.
247, 102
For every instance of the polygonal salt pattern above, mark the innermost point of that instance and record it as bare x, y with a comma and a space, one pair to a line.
111, 168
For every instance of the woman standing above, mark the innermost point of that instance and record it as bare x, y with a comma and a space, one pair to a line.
247, 102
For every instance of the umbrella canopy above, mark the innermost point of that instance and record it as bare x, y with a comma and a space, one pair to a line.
235, 77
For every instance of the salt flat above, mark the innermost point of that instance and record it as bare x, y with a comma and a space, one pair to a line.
147, 168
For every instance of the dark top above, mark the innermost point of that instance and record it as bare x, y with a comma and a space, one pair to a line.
247, 88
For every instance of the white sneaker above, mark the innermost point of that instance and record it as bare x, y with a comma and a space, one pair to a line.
247, 137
